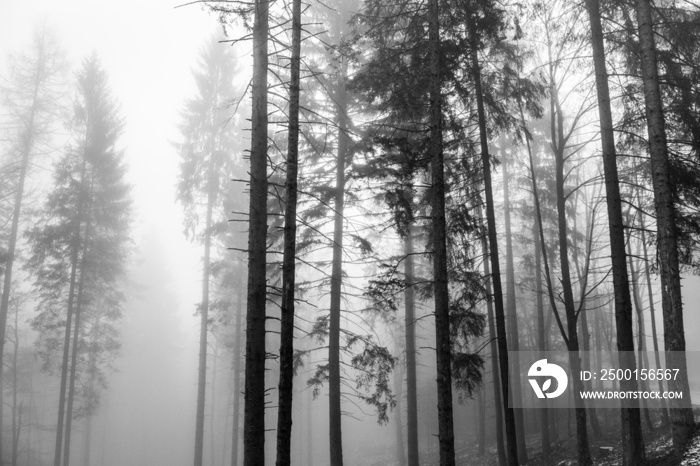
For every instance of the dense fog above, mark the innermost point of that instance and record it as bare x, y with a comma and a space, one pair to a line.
324, 233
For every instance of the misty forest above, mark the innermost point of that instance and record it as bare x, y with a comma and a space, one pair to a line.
324, 232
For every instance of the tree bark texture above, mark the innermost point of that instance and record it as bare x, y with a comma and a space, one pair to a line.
284, 410
334, 378
633, 443
667, 248
254, 417
439, 238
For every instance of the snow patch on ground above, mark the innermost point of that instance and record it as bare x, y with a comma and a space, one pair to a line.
691, 457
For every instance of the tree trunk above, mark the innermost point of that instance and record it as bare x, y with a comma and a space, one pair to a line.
334, 378
254, 417
12, 242
509, 415
541, 340
632, 441
398, 427
309, 429
497, 399
286, 378
584, 455
641, 350
87, 441
410, 329
204, 320
481, 413
76, 339
74, 358
213, 408
667, 248
439, 238
665, 421
512, 318
583, 307
16, 410
75, 250
237, 374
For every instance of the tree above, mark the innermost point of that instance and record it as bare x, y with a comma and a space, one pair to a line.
78, 247
633, 446
236, 367
439, 240
284, 419
493, 347
667, 247
410, 331
31, 96
254, 420
495, 279
205, 167
512, 318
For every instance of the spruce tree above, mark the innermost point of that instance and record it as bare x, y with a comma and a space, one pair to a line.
205, 169
79, 245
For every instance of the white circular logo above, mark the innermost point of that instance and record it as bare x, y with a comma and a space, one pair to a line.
542, 370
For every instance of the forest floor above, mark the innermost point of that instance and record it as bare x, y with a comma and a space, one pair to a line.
659, 449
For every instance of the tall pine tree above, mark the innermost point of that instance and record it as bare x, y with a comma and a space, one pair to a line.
79, 244
205, 168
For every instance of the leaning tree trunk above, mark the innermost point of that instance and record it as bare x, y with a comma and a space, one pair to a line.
254, 417
512, 318
632, 441
410, 329
509, 415
284, 409
667, 247
439, 238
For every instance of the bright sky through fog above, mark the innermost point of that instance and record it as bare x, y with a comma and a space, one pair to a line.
148, 49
